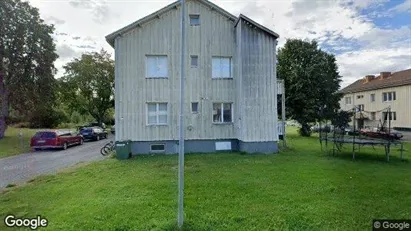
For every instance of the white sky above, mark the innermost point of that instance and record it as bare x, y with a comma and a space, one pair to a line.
361, 47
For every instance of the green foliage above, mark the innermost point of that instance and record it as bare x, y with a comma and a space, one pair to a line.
311, 82
88, 85
27, 61
341, 119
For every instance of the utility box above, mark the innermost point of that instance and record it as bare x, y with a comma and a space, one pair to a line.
123, 149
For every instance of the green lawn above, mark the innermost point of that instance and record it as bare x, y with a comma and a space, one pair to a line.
299, 189
12, 144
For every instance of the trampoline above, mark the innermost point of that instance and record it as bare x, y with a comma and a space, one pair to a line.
357, 141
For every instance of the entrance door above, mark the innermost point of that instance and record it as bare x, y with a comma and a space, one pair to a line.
360, 123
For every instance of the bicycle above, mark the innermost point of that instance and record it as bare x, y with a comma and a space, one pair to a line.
108, 148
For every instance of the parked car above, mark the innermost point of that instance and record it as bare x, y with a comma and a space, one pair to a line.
93, 124
56, 139
382, 134
93, 133
324, 128
113, 129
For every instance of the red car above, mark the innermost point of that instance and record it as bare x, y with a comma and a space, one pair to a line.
55, 139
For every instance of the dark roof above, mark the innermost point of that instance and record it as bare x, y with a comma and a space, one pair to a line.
395, 79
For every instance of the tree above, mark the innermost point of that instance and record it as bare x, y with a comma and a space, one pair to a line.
311, 81
88, 84
27, 54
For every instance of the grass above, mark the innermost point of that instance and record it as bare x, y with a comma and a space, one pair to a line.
302, 188
12, 144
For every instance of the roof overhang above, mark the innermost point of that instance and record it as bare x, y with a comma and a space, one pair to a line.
112, 37
259, 26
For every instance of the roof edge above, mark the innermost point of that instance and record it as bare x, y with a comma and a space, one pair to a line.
261, 27
112, 36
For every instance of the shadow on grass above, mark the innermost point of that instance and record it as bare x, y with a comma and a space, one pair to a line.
377, 156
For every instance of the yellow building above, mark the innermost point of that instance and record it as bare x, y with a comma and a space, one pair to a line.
373, 95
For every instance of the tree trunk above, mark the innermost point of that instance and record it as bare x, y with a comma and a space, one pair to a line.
305, 129
3, 106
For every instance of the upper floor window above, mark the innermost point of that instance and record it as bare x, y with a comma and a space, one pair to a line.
157, 113
372, 97
194, 61
222, 112
156, 66
360, 107
360, 96
222, 67
194, 107
388, 96
194, 19
347, 100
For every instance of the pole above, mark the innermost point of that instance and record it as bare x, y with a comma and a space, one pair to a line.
283, 112
181, 124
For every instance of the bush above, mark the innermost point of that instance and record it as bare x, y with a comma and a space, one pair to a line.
22, 125
48, 118
66, 125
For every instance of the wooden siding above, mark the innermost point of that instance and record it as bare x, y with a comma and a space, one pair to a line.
402, 105
257, 84
213, 37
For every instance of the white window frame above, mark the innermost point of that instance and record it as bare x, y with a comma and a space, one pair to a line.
390, 94
231, 67
157, 151
361, 107
372, 97
157, 113
157, 76
348, 98
389, 116
194, 16
222, 112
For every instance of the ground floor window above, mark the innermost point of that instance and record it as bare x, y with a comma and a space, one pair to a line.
157, 148
157, 113
222, 112
391, 115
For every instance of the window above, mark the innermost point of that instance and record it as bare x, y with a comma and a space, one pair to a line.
388, 96
194, 19
393, 115
372, 97
222, 67
157, 148
347, 100
372, 115
360, 96
157, 113
222, 112
360, 107
156, 66
194, 107
194, 61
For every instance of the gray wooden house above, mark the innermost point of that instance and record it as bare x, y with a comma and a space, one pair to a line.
231, 84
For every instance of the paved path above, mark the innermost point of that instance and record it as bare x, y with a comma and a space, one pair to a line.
20, 168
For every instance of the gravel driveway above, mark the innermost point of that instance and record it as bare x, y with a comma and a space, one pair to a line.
20, 168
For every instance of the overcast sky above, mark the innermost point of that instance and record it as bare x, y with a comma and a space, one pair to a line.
367, 36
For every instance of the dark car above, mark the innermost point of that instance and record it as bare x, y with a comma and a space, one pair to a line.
93, 133
55, 139
382, 134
